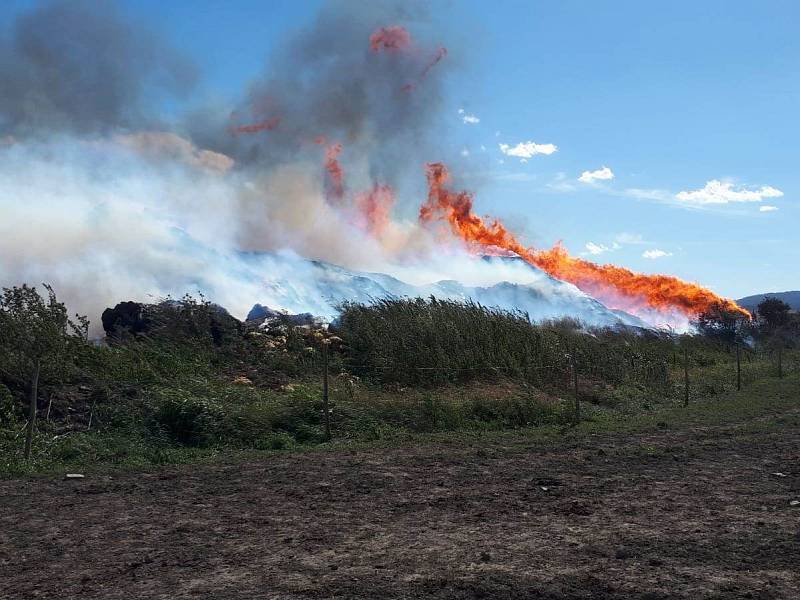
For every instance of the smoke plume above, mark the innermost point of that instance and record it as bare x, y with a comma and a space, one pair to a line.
320, 161
77, 66
341, 78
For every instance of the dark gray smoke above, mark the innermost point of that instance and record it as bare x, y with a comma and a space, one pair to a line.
100, 199
327, 82
80, 66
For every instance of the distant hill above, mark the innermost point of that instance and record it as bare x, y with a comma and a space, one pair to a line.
791, 298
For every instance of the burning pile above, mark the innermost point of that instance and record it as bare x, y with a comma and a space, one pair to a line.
617, 287
312, 162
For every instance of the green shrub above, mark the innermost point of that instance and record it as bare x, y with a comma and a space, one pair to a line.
8, 408
188, 419
275, 441
302, 421
517, 412
442, 414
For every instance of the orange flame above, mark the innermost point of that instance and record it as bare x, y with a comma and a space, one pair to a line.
392, 39
374, 208
616, 287
395, 38
266, 125
335, 182
439, 55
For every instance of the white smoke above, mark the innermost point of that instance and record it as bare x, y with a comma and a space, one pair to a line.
104, 201
106, 220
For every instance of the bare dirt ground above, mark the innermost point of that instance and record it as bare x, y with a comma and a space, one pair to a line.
695, 513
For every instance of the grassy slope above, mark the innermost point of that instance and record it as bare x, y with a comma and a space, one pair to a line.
762, 406
428, 367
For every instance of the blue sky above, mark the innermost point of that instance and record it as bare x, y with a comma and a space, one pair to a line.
667, 96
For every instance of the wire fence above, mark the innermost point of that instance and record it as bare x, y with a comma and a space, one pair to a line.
689, 374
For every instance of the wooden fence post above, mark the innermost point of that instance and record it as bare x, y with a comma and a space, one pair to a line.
575, 383
325, 404
685, 376
34, 396
738, 368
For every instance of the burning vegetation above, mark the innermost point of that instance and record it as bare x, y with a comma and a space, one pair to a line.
391, 39
314, 160
615, 286
266, 125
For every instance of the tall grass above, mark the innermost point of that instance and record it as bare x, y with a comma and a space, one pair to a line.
428, 342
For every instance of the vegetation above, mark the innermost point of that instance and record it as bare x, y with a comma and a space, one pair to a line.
181, 380
37, 337
774, 313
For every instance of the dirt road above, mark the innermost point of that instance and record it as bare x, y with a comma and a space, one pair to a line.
696, 513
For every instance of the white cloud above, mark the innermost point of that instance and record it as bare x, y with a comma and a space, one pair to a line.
654, 254
767, 208
723, 192
629, 238
500, 175
516, 177
648, 194
527, 149
464, 152
467, 118
595, 249
561, 183
602, 174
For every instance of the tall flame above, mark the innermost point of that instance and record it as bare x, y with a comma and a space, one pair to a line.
615, 286
437, 56
335, 171
440, 53
395, 38
392, 39
374, 209
265, 125
335, 182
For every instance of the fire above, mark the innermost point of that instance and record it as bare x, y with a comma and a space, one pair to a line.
266, 125
395, 38
615, 286
634, 292
334, 170
374, 208
392, 39
335, 181
438, 56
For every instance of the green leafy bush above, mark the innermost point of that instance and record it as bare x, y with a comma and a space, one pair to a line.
189, 419
518, 411
8, 408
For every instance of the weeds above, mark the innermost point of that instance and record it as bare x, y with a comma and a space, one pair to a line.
405, 368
